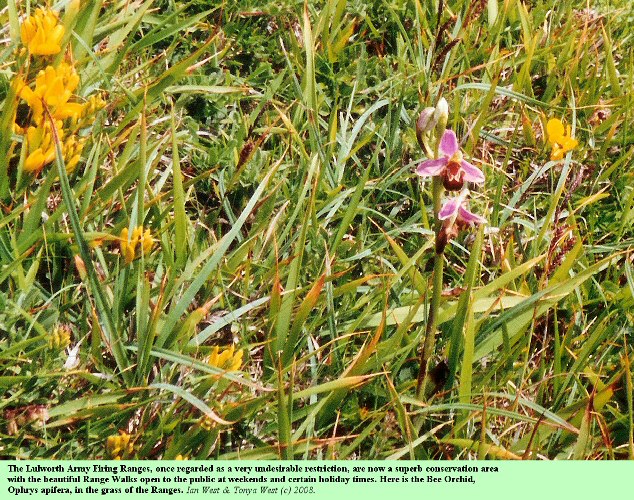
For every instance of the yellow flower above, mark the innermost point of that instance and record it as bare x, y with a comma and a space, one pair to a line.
72, 152
119, 446
139, 237
60, 337
54, 86
181, 457
83, 114
146, 241
94, 104
207, 423
41, 146
127, 247
42, 34
228, 359
559, 139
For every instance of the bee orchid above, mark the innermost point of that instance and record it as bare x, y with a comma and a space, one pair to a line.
454, 210
451, 166
455, 216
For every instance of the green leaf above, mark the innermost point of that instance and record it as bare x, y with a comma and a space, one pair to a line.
220, 249
193, 400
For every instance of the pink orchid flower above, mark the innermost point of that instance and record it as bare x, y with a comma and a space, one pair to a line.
454, 210
455, 216
451, 166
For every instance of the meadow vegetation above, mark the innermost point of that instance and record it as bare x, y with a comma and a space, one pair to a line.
214, 243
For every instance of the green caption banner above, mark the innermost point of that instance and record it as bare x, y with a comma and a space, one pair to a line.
315, 480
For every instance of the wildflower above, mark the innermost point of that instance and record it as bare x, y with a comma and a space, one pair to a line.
42, 34
559, 139
454, 210
455, 216
424, 125
60, 337
451, 166
94, 104
228, 359
601, 114
72, 149
441, 115
119, 446
207, 423
41, 146
432, 119
54, 86
139, 237
181, 457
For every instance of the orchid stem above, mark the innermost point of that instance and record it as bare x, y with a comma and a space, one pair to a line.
430, 329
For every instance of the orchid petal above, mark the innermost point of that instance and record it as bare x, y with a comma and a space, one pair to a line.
469, 217
471, 172
450, 208
429, 168
449, 143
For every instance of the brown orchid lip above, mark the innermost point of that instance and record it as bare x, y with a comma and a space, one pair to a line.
453, 176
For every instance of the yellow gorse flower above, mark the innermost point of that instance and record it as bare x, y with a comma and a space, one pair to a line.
142, 239
42, 33
228, 359
119, 446
559, 139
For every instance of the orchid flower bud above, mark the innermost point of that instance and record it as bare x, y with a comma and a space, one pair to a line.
441, 116
426, 121
424, 125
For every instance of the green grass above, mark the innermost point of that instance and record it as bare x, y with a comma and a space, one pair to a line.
270, 148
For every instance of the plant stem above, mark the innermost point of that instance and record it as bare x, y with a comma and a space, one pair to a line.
430, 329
